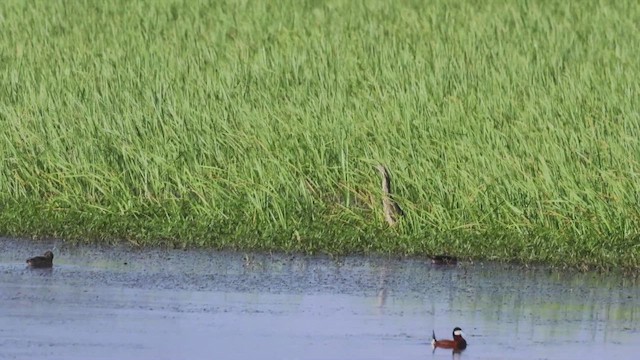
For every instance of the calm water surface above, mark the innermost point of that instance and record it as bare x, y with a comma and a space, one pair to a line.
123, 303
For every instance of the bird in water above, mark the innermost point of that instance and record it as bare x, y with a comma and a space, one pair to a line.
457, 344
44, 261
392, 211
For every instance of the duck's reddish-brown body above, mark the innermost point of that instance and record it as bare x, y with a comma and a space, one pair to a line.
457, 344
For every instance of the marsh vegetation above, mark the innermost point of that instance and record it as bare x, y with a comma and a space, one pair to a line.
511, 129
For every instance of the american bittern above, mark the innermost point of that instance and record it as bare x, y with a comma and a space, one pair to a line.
392, 211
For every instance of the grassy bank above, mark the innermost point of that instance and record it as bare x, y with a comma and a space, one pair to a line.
511, 128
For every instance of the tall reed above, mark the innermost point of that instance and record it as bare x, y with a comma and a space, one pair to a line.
511, 128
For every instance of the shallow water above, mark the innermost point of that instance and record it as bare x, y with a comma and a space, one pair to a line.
123, 303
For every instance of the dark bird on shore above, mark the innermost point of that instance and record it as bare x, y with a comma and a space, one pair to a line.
443, 260
392, 211
457, 344
44, 261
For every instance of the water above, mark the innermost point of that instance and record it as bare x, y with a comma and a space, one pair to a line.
124, 303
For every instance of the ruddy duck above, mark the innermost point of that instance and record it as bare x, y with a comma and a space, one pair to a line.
457, 344
44, 261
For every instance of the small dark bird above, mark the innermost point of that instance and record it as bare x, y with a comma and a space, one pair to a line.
44, 261
443, 260
457, 344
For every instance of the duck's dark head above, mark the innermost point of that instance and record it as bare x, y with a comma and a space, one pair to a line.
48, 255
457, 333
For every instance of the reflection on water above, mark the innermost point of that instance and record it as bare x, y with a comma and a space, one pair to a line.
124, 303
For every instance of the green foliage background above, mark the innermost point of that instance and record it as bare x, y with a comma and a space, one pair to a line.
511, 128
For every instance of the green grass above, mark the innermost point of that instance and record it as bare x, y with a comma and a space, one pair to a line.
511, 128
